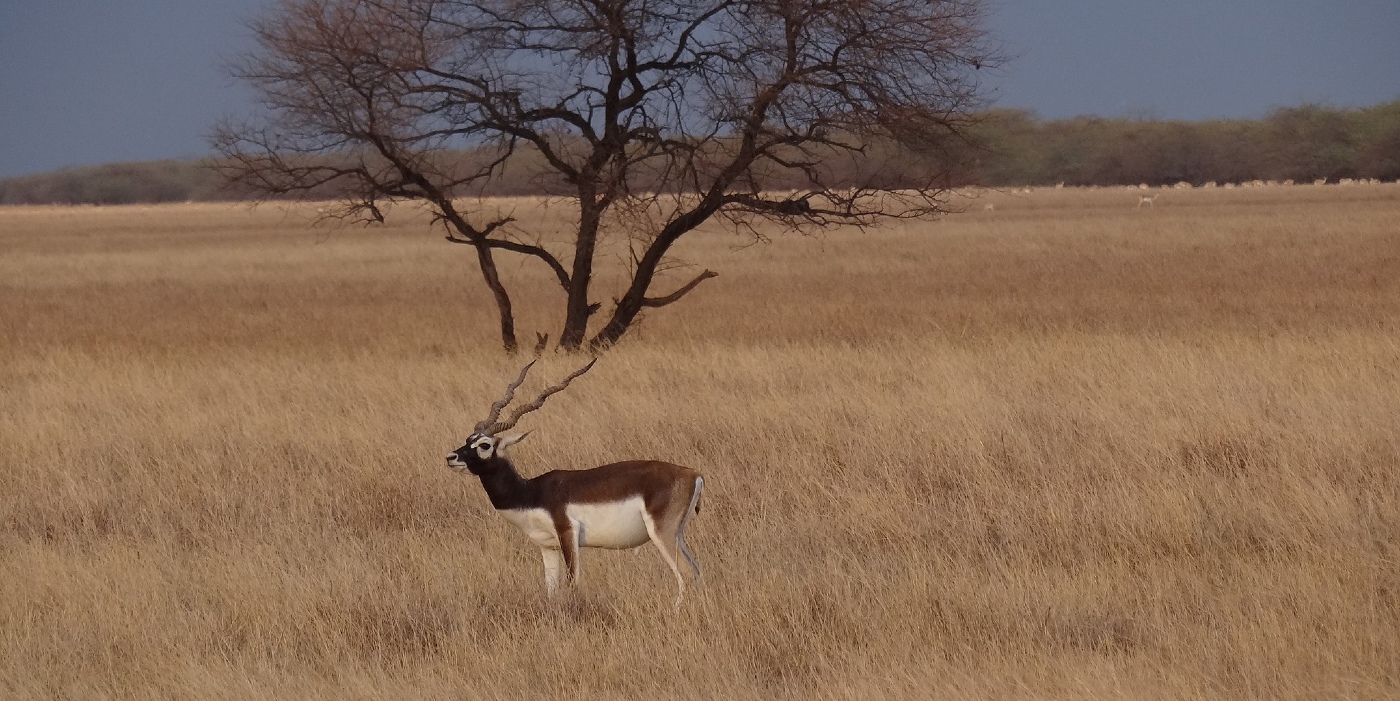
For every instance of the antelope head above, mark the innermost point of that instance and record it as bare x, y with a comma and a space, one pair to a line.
485, 444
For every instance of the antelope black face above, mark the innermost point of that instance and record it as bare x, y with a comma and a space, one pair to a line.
478, 451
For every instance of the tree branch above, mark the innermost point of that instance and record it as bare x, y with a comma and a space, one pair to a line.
527, 249
663, 301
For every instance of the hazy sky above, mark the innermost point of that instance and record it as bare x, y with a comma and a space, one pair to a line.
84, 82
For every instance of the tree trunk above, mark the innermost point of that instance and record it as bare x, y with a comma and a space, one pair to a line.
611, 333
578, 309
635, 298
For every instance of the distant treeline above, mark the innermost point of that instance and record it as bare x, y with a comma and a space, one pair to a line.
114, 183
1008, 148
1302, 144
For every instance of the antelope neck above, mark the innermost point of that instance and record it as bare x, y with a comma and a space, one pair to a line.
506, 488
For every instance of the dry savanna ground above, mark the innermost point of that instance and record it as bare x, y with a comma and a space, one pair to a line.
1063, 448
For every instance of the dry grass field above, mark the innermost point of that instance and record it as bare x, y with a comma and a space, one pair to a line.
1065, 448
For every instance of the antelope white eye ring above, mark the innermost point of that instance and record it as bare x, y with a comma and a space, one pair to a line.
484, 447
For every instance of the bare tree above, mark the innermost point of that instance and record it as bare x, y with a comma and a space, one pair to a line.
652, 117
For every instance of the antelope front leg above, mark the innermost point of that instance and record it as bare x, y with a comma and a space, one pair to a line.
568, 532
553, 564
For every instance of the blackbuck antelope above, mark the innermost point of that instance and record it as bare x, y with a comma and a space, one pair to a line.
617, 506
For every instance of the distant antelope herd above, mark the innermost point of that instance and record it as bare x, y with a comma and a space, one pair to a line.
1150, 200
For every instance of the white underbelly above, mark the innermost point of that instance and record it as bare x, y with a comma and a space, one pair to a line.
616, 525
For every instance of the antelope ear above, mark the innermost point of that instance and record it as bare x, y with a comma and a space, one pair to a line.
507, 441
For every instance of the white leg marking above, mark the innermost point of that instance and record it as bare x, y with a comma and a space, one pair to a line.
689, 558
574, 548
680, 530
666, 555
553, 565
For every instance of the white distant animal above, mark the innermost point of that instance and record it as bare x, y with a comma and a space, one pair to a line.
989, 207
1149, 201
619, 506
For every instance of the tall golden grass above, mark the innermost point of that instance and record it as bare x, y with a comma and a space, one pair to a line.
1066, 448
